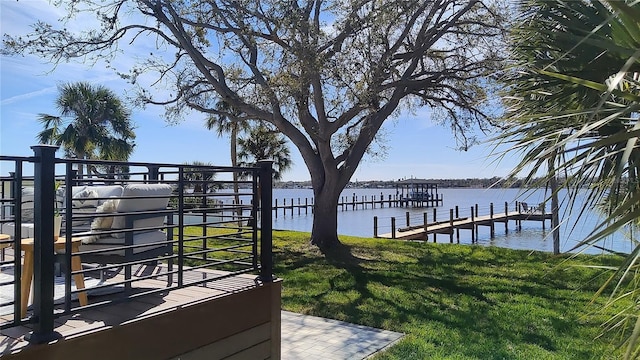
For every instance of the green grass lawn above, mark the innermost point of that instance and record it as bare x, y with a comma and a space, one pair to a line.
451, 301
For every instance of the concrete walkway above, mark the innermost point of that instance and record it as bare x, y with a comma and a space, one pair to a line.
313, 338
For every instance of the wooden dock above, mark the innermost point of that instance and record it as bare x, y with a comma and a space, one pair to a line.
347, 203
455, 223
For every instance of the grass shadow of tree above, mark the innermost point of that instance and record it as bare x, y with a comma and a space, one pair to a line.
434, 292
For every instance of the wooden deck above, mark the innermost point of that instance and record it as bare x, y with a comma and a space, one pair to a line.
93, 320
449, 227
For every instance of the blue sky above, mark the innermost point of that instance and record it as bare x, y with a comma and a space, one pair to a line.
417, 147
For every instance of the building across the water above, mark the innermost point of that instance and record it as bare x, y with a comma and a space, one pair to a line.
418, 193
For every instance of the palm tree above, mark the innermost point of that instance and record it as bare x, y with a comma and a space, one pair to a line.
200, 176
262, 142
574, 102
228, 121
93, 123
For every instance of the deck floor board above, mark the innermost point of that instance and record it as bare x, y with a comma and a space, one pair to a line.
95, 319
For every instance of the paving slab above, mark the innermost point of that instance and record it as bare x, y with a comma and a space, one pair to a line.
310, 337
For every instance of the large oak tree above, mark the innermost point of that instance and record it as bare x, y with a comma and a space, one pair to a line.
327, 74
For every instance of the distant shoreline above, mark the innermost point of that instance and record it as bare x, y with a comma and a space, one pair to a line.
471, 183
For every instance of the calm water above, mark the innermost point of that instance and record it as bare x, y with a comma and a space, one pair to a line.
532, 236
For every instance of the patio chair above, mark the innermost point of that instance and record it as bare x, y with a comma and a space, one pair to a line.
532, 210
132, 231
8, 225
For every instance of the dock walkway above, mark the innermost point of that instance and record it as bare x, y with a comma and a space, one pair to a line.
455, 224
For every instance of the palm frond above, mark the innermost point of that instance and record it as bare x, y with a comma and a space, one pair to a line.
574, 102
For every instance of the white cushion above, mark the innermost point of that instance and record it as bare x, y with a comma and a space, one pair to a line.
27, 204
140, 238
103, 191
104, 222
28, 230
142, 204
83, 211
85, 198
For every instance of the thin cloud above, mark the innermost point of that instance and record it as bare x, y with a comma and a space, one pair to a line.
30, 95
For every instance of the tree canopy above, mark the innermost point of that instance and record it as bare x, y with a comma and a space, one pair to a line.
326, 74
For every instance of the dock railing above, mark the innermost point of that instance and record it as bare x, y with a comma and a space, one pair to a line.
209, 242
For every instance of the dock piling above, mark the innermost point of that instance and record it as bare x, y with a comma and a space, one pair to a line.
473, 221
425, 217
492, 224
506, 217
451, 224
393, 227
543, 206
375, 226
475, 225
457, 229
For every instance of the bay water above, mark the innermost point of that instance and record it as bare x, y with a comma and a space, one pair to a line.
532, 236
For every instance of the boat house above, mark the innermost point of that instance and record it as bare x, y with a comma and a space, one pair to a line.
418, 193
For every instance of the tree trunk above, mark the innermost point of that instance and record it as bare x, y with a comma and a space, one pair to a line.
234, 163
555, 218
80, 156
555, 208
325, 220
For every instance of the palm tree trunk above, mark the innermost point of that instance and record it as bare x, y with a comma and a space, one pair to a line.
80, 165
555, 219
234, 163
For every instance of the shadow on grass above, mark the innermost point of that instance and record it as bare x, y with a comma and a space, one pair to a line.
472, 301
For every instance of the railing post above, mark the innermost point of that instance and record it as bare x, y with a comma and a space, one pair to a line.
16, 194
43, 265
181, 188
154, 172
266, 194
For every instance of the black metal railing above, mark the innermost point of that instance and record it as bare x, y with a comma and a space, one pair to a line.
117, 216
